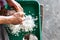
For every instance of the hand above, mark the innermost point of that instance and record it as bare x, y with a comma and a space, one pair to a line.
15, 5
10, 12
19, 16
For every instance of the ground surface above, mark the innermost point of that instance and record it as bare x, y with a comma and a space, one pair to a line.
51, 25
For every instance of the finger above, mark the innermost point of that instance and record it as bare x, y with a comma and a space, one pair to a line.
21, 14
20, 20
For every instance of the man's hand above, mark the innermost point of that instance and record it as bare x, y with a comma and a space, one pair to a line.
13, 18
19, 16
15, 5
16, 18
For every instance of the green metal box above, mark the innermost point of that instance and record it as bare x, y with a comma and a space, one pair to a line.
30, 8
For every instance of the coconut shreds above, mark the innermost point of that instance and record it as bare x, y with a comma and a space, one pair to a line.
28, 25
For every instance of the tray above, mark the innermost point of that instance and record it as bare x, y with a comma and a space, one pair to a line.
30, 8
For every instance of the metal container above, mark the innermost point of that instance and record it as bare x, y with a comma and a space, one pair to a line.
30, 8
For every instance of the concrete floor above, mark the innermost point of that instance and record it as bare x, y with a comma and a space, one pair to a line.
51, 25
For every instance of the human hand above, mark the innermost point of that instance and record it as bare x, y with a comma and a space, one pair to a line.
19, 16
15, 5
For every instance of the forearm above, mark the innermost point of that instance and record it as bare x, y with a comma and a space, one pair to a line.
8, 20
14, 4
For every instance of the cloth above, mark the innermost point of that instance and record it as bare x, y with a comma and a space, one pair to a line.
3, 33
2, 3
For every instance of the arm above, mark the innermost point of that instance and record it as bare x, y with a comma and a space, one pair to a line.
9, 20
13, 19
15, 5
